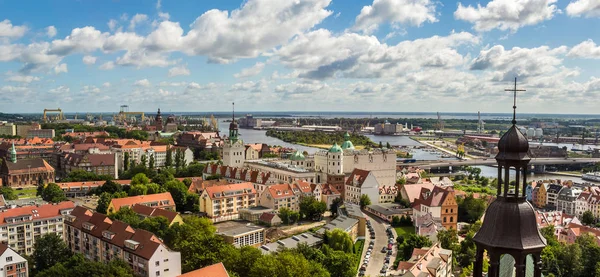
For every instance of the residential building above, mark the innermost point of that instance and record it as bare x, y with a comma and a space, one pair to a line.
434, 261
221, 203
573, 230
41, 133
347, 224
259, 179
552, 194
412, 192
207, 141
21, 227
566, 200
8, 129
85, 135
137, 149
216, 270
11, 263
101, 239
79, 189
101, 164
283, 171
387, 194
198, 185
23, 130
361, 182
244, 236
27, 148
26, 172
541, 196
146, 211
256, 151
160, 200
582, 203
253, 214
303, 188
441, 203
387, 211
328, 193
280, 196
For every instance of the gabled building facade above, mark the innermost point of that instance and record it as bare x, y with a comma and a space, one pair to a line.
223, 202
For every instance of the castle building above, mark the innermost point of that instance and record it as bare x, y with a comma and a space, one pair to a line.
233, 148
340, 161
26, 172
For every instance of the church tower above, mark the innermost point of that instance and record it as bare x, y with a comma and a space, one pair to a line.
233, 149
509, 225
158, 122
13, 154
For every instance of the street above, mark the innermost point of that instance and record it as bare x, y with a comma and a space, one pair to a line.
381, 240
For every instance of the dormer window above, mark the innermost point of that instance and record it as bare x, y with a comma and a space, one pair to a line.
131, 244
108, 234
88, 226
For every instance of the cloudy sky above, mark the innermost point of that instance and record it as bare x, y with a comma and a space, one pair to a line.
302, 55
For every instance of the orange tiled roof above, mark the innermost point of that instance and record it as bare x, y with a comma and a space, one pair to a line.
216, 270
218, 191
280, 191
42, 211
165, 200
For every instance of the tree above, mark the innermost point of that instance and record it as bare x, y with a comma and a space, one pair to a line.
380, 145
103, 202
178, 160
77, 265
157, 225
154, 188
151, 162
588, 218
163, 177
84, 176
126, 161
387, 145
470, 209
53, 193
411, 242
311, 208
138, 189
284, 214
179, 193
127, 215
448, 238
286, 264
144, 160
335, 204
111, 186
364, 201
169, 158
8, 193
192, 203
337, 239
50, 249
140, 178
395, 221
339, 263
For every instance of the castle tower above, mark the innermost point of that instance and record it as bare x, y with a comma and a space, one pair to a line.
233, 149
509, 225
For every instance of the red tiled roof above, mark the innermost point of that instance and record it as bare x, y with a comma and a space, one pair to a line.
266, 217
303, 186
248, 188
358, 176
42, 211
29, 166
154, 212
328, 189
280, 191
198, 184
432, 198
216, 270
165, 200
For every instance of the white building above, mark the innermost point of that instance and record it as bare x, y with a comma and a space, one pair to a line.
566, 200
11, 263
361, 182
234, 151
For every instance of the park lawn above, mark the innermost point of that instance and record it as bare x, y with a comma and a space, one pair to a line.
26, 193
358, 249
404, 230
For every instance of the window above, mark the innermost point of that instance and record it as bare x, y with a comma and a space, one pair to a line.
158, 273
9, 259
451, 219
157, 263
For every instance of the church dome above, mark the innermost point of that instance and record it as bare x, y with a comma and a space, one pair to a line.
297, 156
347, 143
335, 148
513, 145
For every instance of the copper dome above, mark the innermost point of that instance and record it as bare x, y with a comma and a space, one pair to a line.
513, 145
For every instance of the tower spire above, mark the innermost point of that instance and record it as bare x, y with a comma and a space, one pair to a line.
233, 111
514, 90
13, 153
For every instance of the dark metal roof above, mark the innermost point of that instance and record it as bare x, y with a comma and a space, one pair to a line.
510, 224
513, 146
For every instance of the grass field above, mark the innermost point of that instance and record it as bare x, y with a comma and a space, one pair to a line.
404, 230
358, 249
26, 193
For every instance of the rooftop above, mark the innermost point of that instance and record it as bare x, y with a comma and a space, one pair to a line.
292, 242
341, 222
216, 270
388, 208
241, 230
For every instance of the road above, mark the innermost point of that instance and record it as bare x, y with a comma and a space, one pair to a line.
381, 240
492, 161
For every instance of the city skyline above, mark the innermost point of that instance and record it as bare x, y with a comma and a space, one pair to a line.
314, 55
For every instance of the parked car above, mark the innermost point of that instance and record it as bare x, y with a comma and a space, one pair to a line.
389, 252
383, 250
390, 246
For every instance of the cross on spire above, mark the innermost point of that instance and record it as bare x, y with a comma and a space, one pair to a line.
514, 90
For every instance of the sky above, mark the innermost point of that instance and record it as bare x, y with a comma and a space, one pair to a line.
301, 55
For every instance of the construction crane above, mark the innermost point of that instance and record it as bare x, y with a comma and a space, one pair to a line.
440, 123
480, 124
124, 112
59, 111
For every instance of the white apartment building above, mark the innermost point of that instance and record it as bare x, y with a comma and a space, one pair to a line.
11, 263
223, 202
361, 182
101, 239
20, 227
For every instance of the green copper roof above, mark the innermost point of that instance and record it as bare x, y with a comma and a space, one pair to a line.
335, 148
347, 143
297, 156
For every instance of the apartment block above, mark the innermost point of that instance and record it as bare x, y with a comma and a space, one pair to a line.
280, 196
433, 261
160, 200
11, 263
221, 203
101, 239
20, 227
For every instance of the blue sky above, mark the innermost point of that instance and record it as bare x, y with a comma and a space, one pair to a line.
310, 55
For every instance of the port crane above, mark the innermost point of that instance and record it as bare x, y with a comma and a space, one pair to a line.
60, 115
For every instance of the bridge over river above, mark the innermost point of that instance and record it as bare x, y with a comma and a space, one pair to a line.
491, 161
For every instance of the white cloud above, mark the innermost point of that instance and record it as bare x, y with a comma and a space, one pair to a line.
250, 86
295, 88
112, 24
107, 66
61, 68
84, 40
158, 5
13, 89
164, 92
587, 8
196, 86
251, 71
504, 65
181, 70
164, 16
89, 60
136, 20
507, 15
60, 90
90, 89
406, 12
142, 83
10, 31
51, 31
320, 54
106, 85
22, 78
587, 49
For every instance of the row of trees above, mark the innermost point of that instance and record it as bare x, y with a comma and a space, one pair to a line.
325, 138
580, 259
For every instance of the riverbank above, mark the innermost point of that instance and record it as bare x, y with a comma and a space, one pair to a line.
327, 146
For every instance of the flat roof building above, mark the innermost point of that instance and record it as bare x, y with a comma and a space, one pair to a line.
244, 236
